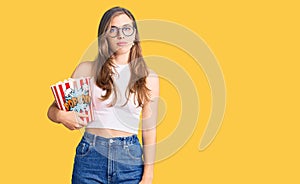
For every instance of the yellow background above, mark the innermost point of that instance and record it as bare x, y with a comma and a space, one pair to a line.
255, 42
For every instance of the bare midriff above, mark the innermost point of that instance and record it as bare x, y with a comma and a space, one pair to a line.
107, 133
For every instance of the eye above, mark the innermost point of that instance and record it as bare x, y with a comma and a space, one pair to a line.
113, 30
127, 28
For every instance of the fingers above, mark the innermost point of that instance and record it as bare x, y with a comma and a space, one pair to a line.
79, 122
82, 115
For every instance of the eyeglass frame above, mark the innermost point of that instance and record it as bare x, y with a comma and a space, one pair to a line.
122, 30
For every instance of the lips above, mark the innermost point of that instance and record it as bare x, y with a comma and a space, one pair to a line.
122, 43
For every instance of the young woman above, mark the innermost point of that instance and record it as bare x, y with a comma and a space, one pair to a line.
123, 88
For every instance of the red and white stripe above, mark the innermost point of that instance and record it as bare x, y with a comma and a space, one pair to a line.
59, 89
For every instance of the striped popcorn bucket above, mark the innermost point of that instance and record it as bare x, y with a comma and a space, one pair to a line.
74, 95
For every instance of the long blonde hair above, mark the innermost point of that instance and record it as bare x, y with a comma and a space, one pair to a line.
104, 62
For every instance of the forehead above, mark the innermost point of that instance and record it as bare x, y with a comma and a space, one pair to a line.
120, 20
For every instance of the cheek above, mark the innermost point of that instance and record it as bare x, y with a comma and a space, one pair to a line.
130, 38
112, 43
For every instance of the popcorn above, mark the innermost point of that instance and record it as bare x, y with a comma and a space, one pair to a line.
74, 95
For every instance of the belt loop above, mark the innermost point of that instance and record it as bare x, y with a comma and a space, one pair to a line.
124, 144
131, 139
94, 140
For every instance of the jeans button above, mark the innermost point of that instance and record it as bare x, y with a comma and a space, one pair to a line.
111, 141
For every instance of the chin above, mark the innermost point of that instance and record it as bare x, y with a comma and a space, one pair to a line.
122, 50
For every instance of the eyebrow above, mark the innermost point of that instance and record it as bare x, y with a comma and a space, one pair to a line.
122, 25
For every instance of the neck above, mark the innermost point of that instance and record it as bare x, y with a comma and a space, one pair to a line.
121, 59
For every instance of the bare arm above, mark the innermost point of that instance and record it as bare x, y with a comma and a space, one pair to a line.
70, 119
149, 115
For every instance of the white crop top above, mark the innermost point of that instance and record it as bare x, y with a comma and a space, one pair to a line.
118, 117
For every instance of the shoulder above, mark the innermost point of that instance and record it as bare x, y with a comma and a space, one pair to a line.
152, 82
84, 69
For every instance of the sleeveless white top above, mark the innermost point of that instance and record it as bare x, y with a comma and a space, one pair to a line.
117, 117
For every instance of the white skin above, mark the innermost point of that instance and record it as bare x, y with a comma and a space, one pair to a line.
121, 44
72, 121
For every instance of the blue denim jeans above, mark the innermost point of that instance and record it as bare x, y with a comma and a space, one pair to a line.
108, 160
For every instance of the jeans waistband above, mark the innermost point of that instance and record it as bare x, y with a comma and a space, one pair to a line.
92, 138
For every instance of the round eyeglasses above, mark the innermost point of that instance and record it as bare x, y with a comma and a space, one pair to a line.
127, 31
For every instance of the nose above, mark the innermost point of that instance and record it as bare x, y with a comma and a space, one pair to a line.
120, 33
